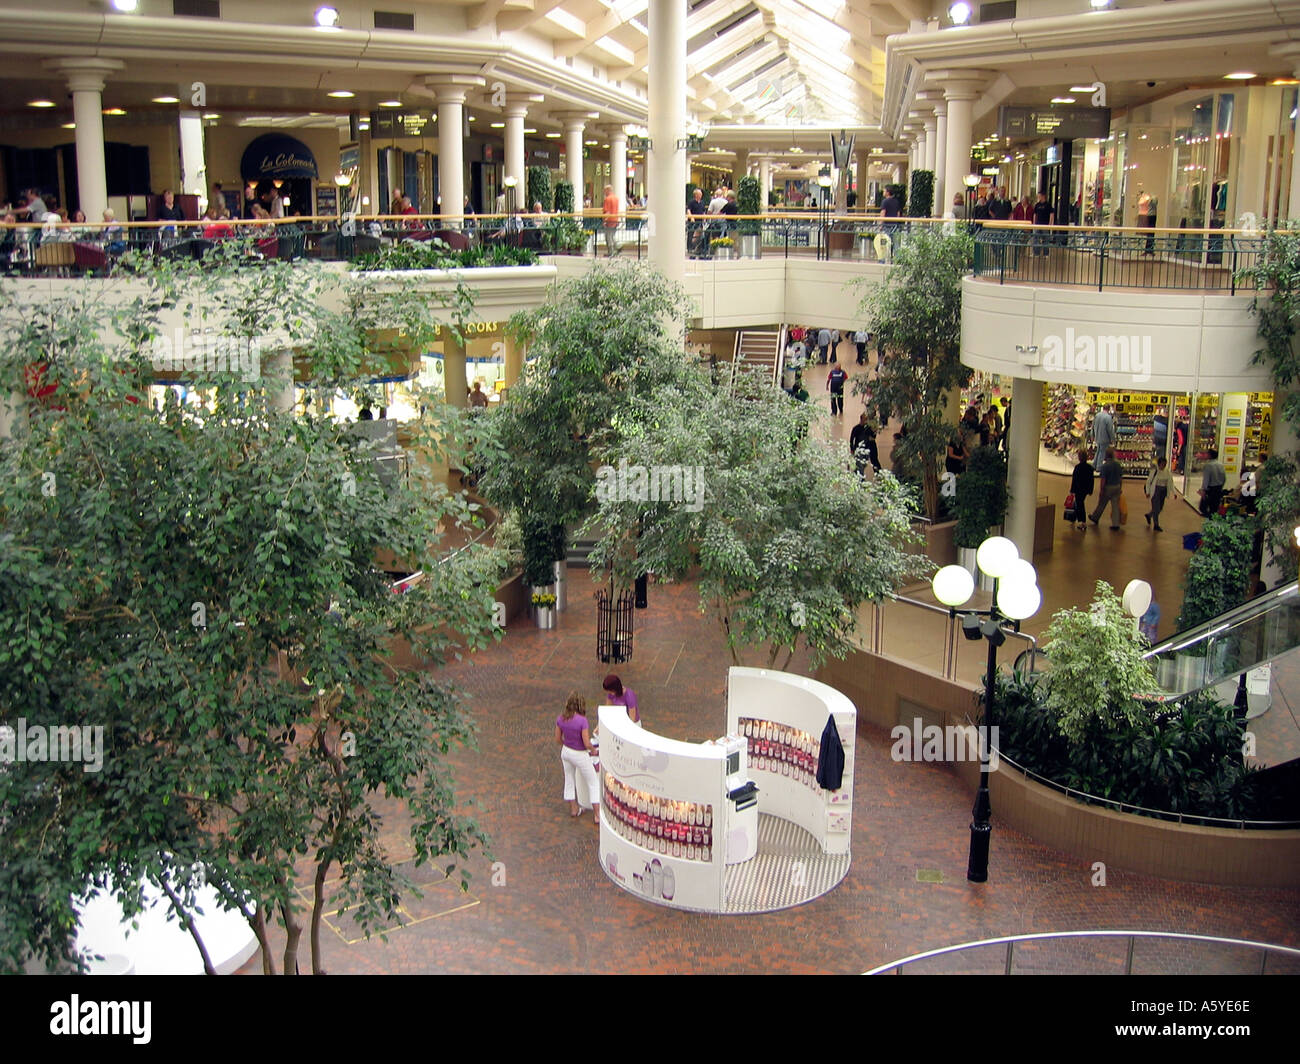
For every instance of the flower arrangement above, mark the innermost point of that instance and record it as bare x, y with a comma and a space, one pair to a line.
543, 601
722, 242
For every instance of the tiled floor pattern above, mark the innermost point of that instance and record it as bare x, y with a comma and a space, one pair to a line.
789, 869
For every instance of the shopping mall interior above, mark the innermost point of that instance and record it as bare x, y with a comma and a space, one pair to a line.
1157, 141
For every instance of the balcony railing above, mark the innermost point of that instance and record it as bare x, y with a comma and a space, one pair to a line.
1205, 260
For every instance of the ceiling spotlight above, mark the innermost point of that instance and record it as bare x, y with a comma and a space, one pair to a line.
340, 94
165, 99
125, 6
114, 112
1062, 99
390, 103
1239, 75
327, 18
959, 13
40, 103
1097, 5
69, 125
555, 136
498, 125
472, 118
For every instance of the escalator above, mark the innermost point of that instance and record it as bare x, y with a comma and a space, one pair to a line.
1224, 647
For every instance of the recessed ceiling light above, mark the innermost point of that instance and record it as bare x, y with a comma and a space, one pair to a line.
341, 94
604, 145
1284, 81
1239, 75
125, 6
363, 124
472, 118
327, 17
211, 116
530, 131
584, 142
115, 112
69, 125
555, 136
1097, 5
1082, 88
959, 13
1062, 99
390, 103
498, 125
40, 103
165, 99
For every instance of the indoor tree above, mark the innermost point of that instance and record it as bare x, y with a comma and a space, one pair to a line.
784, 539
916, 315
199, 579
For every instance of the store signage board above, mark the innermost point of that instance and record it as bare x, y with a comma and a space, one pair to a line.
349, 157
399, 123
1060, 123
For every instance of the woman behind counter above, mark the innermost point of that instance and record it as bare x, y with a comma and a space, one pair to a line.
573, 734
618, 695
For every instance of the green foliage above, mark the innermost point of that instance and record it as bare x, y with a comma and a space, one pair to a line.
981, 500
1187, 760
1097, 667
564, 197
539, 187
1277, 271
200, 582
916, 315
749, 200
435, 255
539, 537
609, 340
1218, 574
785, 541
921, 198
564, 235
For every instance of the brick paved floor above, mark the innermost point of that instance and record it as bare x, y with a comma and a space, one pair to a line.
556, 911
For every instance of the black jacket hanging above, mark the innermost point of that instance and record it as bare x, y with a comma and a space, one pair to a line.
830, 761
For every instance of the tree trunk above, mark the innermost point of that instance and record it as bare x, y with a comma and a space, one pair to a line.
258, 924
188, 923
930, 482
317, 910
293, 930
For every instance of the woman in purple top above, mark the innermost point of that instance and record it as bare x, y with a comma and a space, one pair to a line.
574, 736
618, 695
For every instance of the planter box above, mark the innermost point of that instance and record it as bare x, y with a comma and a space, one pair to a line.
544, 616
751, 246
722, 254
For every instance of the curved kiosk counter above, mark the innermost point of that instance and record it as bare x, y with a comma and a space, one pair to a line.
735, 824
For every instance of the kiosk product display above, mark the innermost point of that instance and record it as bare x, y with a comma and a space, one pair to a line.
684, 824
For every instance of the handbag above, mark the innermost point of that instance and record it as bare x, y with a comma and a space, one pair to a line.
1070, 505
1123, 510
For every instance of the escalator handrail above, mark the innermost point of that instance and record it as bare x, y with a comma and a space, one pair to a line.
1229, 619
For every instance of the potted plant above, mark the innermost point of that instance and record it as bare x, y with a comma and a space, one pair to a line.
749, 199
721, 247
980, 503
544, 609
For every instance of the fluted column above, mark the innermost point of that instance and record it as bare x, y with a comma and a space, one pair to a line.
85, 79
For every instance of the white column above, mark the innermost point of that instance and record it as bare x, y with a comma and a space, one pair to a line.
450, 93
194, 171
618, 166
1022, 463
369, 175
960, 95
573, 128
941, 195
931, 142
666, 167
740, 167
514, 161
765, 181
86, 82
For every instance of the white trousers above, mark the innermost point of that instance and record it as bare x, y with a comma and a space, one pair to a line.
579, 761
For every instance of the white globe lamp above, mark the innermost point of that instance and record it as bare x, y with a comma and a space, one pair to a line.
953, 585
995, 556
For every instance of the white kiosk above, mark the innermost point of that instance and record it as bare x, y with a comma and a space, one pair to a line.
739, 823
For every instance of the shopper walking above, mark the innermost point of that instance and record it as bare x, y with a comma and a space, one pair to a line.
835, 382
618, 695
1213, 479
1042, 214
573, 734
1157, 489
823, 344
1081, 485
860, 340
1103, 433
862, 445
611, 220
1112, 487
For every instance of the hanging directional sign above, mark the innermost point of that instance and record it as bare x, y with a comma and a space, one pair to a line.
842, 149
639, 144
1062, 123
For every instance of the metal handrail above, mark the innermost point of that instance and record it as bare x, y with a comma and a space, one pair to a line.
1239, 823
950, 634
1010, 941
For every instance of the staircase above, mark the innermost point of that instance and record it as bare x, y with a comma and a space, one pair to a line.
759, 350
579, 551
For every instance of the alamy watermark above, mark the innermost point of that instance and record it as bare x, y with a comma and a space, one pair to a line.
1089, 353
656, 483
951, 743
207, 354
68, 743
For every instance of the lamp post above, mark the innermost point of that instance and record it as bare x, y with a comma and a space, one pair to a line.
823, 205
971, 182
1015, 597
